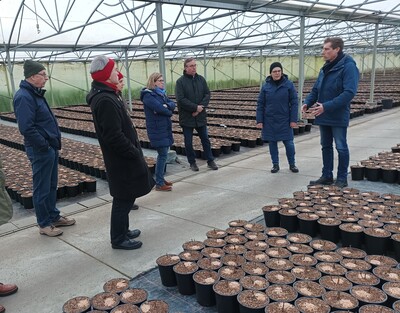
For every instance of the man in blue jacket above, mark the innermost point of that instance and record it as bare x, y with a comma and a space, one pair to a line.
42, 140
329, 101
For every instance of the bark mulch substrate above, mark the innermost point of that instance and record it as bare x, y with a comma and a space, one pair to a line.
154, 306
116, 285
126, 308
253, 299
77, 305
105, 301
134, 296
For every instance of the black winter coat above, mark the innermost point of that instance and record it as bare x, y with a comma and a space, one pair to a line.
127, 172
191, 91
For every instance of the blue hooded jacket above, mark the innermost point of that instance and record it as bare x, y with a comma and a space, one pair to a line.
335, 90
277, 107
158, 109
36, 121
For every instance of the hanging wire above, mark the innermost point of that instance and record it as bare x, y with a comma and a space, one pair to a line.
113, 5
2, 32
37, 20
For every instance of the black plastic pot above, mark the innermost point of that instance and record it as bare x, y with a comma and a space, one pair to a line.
307, 226
289, 222
271, 216
357, 172
372, 173
90, 185
387, 103
396, 246
329, 232
396, 306
391, 297
375, 244
185, 281
168, 278
205, 295
226, 303
389, 175
364, 302
236, 146
351, 239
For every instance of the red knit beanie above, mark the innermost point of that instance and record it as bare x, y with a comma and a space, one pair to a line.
105, 73
120, 75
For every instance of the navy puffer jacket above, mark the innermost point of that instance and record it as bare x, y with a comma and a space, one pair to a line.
158, 109
277, 107
36, 121
335, 90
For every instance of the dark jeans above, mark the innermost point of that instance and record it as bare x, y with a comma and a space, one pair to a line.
290, 151
160, 165
188, 134
45, 176
339, 134
120, 219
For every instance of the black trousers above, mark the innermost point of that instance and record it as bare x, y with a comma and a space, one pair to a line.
120, 219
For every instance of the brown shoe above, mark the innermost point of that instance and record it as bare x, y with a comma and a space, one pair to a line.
163, 188
50, 231
64, 221
2, 309
168, 183
7, 289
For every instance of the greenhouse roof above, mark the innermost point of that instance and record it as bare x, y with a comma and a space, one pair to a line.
78, 30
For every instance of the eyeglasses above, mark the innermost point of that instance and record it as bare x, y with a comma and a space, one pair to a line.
43, 74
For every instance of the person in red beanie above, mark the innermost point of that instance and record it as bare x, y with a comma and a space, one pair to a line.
127, 171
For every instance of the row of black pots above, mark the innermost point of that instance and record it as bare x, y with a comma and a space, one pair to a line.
208, 293
390, 175
334, 233
25, 198
98, 172
93, 170
216, 151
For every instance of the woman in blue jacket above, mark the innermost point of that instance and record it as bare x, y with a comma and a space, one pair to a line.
276, 115
158, 109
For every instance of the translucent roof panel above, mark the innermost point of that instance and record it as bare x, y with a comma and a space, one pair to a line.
74, 30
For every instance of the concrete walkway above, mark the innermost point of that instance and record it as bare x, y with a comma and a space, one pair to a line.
50, 271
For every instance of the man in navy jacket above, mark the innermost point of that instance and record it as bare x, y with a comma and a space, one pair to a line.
42, 139
329, 101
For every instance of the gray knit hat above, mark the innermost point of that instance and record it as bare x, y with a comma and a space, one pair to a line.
32, 68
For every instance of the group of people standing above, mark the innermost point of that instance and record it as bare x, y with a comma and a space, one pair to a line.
127, 171
128, 175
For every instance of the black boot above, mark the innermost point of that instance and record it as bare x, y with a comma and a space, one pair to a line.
275, 168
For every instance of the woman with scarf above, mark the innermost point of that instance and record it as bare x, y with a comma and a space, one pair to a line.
158, 109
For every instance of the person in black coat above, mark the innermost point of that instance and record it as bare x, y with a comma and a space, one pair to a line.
192, 96
127, 171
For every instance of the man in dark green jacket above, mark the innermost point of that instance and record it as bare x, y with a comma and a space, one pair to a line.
192, 95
